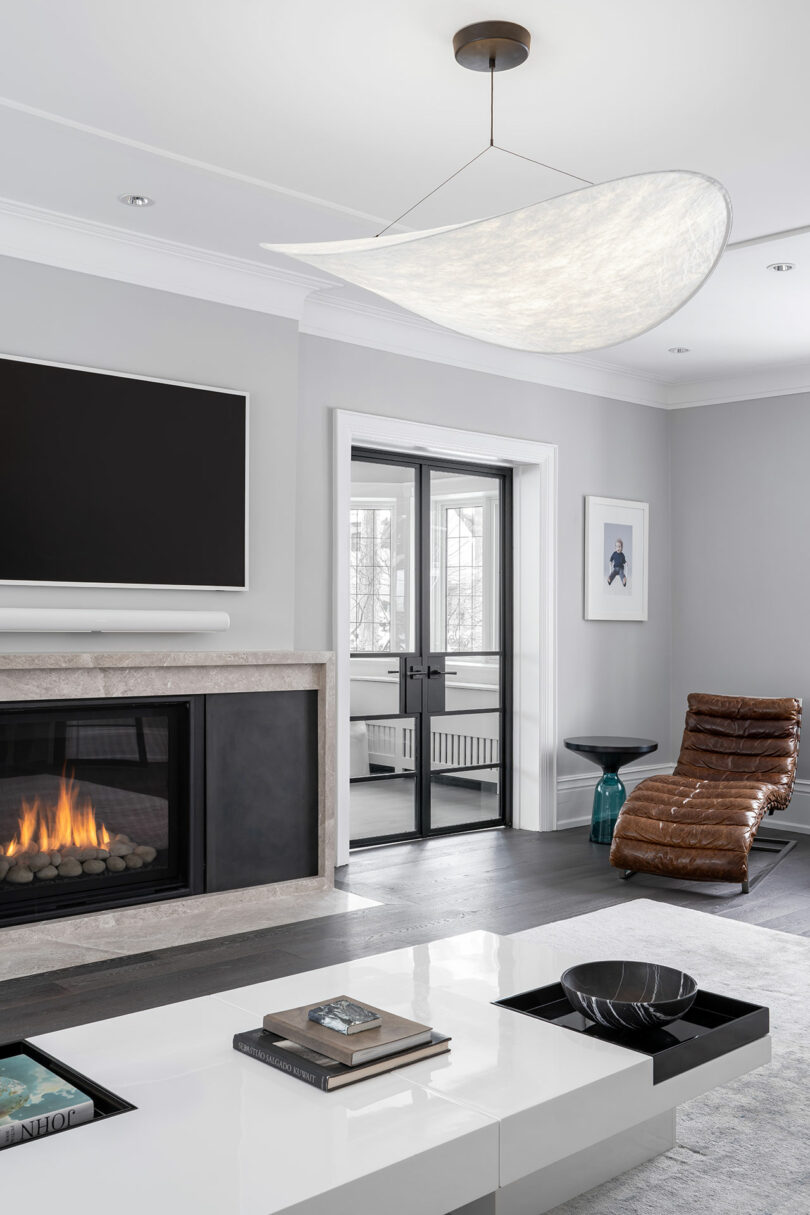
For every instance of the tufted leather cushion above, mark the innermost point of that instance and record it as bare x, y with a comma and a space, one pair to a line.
735, 737
737, 761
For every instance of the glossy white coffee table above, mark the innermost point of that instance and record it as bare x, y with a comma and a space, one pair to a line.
520, 1116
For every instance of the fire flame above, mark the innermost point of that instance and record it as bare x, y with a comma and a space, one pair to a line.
46, 828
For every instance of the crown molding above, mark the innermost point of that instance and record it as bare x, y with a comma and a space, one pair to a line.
776, 381
38, 235
323, 308
330, 315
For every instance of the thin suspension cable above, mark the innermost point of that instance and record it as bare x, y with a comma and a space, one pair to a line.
432, 192
542, 164
491, 144
492, 103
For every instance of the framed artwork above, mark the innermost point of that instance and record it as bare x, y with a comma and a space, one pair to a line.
616, 556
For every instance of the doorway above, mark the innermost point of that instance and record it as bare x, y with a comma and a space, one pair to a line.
430, 622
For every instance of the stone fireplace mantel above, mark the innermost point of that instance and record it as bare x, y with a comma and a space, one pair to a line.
96, 676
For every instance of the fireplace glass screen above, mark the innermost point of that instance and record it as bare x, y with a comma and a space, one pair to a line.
93, 809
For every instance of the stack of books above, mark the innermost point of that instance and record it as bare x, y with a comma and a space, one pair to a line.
339, 1042
35, 1101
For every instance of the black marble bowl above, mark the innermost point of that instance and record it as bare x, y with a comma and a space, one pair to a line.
629, 995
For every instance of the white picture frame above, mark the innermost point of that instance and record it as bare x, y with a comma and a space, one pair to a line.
616, 574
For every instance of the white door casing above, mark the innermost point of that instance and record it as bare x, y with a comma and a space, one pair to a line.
535, 596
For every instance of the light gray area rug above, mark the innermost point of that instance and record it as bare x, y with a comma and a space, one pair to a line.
743, 1149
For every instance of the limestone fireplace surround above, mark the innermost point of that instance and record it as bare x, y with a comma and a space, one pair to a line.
96, 935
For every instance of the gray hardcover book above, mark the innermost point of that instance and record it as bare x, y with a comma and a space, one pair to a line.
393, 1034
317, 1069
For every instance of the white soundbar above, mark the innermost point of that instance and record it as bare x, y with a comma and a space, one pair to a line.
110, 620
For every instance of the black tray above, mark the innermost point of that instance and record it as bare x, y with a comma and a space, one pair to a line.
713, 1026
106, 1104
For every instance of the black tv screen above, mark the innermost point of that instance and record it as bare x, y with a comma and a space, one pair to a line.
114, 480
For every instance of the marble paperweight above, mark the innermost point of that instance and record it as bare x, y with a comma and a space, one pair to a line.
344, 1015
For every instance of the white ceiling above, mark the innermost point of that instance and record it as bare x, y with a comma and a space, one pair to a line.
251, 121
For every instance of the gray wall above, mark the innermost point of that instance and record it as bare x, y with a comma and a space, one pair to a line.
740, 568
726, 595
53, 314
613, 677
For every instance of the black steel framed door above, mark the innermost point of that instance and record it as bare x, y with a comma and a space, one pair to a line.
431, 647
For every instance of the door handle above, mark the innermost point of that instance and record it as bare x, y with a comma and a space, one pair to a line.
434, 672
416, 673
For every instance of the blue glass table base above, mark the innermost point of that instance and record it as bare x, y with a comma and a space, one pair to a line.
610, 753
608, 799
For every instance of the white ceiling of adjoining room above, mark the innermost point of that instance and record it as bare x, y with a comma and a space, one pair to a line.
251, 121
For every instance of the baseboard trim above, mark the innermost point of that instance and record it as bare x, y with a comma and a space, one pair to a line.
639, 772
797, 815
785, 824
575, 791
575, 796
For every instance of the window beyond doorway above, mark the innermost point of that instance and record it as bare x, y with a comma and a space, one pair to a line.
372, 612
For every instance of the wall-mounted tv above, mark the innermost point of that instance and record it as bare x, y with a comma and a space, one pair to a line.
108, 479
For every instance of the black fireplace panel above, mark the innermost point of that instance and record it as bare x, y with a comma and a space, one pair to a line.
261, 764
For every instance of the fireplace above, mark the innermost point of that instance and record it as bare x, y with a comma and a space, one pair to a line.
213, 770
98, 805
127, 800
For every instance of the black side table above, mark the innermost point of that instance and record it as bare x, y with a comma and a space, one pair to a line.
610, 753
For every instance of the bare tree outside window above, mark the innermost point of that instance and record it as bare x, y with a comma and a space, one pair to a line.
371, 579
464, 578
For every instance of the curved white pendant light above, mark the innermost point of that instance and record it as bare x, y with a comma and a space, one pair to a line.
577, 272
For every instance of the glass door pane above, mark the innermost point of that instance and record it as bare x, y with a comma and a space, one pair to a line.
464, 740
380, 808
383, 623
465, 768
382, 521
374, 686
460, 799
465, 666
465, 580
475, 683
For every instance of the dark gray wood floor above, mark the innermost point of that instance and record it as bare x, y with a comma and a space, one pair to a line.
502, 881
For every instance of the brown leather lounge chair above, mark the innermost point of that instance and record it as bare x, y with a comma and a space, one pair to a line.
737, 762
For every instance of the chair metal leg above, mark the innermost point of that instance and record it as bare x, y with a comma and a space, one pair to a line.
628, 873
769, 843
745, 887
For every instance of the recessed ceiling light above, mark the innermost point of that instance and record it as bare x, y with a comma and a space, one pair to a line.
679, 350
780, 267
136, 200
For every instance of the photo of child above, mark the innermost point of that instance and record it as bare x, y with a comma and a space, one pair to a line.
618, 548
616, 558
